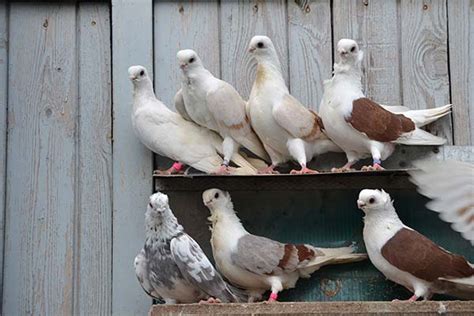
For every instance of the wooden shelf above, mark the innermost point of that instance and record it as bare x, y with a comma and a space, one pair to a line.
321, 308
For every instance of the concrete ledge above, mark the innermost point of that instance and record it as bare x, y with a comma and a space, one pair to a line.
321, 308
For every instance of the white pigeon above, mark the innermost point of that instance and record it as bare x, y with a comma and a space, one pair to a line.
287, 129
215, 104
168, 134
450, 185
172, 266
256, 263
407, 257
360, 126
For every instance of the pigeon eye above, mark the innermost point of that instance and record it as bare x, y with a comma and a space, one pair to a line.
353, 49
216, 196
142, 73
191, 60
260, 45
371, 200
151, 205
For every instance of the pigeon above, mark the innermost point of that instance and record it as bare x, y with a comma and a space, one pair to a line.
287, 129
168, 134
407, 257
450, 185
256, 263
172, 267
362, 127
215, 104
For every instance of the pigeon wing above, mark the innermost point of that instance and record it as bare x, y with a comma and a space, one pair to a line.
142, 273
180, 107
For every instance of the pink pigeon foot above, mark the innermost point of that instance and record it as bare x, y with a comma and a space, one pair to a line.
304, 170
268, 170
223, 169
176, 168
345, 168
210, 300
411, 299
374, 167
272, 298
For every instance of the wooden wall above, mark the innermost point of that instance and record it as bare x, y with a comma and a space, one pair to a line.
74, 179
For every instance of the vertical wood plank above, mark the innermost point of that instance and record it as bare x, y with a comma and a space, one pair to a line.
240, 21
374, 24
3, 128
132, 26
39, 243
310, 49
93, 279
183, 25
461, 66
424, 59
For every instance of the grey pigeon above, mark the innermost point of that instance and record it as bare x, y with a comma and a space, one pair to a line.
172, 266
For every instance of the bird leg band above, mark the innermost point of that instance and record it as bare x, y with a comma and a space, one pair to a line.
177, 166
273, 296
225, 163
377, 162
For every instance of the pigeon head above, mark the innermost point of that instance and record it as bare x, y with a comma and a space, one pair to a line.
188, 60
373, 200
158, 207
216, 199
348, 51
261, 46
137, 73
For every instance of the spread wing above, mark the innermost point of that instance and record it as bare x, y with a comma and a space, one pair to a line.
412, 252
261, 255
450, 185
296, 119
198, 270
376, 122
179, 105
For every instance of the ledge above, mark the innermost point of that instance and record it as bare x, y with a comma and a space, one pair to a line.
321, 308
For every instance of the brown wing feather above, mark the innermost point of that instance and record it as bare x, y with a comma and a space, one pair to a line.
378, 124
412, 252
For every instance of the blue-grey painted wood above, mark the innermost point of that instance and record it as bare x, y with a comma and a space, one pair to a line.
93, 272
424, 58
183, 25
132, 25
461, 67
310, 49
3, 128
42, 165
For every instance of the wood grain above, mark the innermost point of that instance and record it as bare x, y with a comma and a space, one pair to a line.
310, 49
183, 25
93, 272
39, 243
375, 26
424, 59
461, 67
3, 127
240, 21
132, 27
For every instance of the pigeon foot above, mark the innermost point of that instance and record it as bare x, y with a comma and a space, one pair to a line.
374, 167
411, 299
304, 170
223, 170
210, 300
268, 170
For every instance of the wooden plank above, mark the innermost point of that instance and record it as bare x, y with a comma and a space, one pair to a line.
93, 273
310, 49
240, 21
461, 67
3, 127
132, 26
424, 59
183, 25
39, 243
375, 26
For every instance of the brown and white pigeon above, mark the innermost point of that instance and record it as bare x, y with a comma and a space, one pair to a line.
256, 263
407, 257
215, 104
362, 127
287, 129
172, 266
450, 185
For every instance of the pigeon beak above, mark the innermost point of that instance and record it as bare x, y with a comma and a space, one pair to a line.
182, 66
133, 78
207, 202
360, 204
251, 49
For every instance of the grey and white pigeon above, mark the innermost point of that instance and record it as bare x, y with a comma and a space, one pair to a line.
407, 257
172, 266
215, 104
287, 129
450, 185
258, 264
168, 134
362, 127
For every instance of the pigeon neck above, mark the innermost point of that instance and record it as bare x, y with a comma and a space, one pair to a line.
385, 215
143, 89
162, 228
198, 73
226, 218
348, 73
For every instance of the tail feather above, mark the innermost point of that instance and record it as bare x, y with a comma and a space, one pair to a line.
462, 288
252, 143
420, 137
426, 116
245, 166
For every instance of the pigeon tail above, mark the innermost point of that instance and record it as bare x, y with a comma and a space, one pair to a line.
424, 117
462, 287
420, 137
246, 167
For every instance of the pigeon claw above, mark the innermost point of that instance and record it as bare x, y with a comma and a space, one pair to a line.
304, 170
374, 167
167, 172
342, 170
222, 170
268, 170
210, 300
